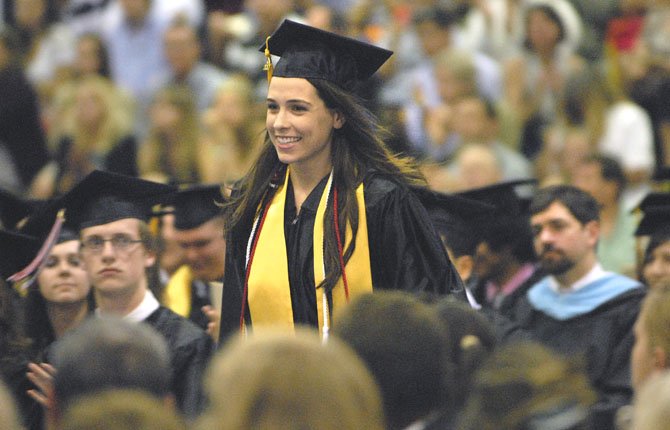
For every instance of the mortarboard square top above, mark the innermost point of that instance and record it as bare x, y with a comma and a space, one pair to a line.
40, 223
13, 209
505, 196
16, 252
656, 208
308, 52
195, 205
103, 197
447, 210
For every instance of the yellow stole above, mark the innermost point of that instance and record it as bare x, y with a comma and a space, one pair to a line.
177, 293
269, 294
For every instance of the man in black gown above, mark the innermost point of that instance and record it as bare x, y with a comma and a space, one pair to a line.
111, 211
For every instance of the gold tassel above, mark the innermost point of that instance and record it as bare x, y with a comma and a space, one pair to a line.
268, 63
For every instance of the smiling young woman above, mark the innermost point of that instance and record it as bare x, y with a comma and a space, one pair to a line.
326, 212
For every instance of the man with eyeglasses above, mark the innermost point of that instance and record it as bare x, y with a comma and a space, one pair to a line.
111, 213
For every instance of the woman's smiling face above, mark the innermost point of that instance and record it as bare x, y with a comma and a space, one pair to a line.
300, 125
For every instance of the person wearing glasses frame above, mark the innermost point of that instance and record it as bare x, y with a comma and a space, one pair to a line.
111, 213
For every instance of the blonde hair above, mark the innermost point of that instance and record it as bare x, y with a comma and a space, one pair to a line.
116, 122
523, 381
121, 410
290, 381
651, 409
9, 417
655, 316
176, 160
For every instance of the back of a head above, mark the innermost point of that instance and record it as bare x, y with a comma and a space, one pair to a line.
280, 381
472, 339
9, 417
121, 410
526, 386
108, 353
655, 316
651, 410
401, 341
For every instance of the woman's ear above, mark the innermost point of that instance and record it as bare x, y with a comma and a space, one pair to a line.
338, 119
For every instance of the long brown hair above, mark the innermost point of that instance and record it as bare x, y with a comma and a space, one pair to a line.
357, 149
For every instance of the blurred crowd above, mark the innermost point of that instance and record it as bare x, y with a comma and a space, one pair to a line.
569, 94
478, 91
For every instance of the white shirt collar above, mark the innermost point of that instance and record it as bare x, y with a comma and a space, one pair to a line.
148, 305
594, 274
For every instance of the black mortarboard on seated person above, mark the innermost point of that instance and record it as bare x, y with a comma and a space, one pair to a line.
103, 197
40, 223
308, 52
656, 210
509, 197
16, 251
456, 218
13, 209
194, 205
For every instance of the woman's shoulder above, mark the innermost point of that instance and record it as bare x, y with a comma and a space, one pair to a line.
381, 187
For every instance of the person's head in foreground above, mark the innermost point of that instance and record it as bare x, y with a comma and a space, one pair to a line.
280, 381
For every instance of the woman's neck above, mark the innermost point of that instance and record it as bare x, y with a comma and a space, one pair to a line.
65, 316
304, 181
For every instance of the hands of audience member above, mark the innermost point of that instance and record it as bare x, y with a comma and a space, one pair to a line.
214, 322
42, 375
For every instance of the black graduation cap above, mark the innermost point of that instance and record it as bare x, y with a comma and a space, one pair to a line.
40, 223
308, 52
656, 209
509, 197
662, 174
16, 251
195, 205
14, 209
102, 197
456, 218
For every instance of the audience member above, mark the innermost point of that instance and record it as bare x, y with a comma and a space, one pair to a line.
472, 339
9, 416
170, 151
182, 51
603, 178
476, 121
23, 150
402, 342
16, 252
283, 381
232, 132
580, 309
46, 45
654, 268
133, 31
91, 57
535, 79
97, 133
651, 404
120, 409
527, 386
109, 353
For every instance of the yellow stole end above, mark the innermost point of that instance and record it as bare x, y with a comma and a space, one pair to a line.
177, 293
269, 293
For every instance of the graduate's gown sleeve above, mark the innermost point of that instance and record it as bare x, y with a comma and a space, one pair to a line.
405, 251
190, 352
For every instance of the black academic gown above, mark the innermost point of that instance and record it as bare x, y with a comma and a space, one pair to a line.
405, 251
603, 337
190, 351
